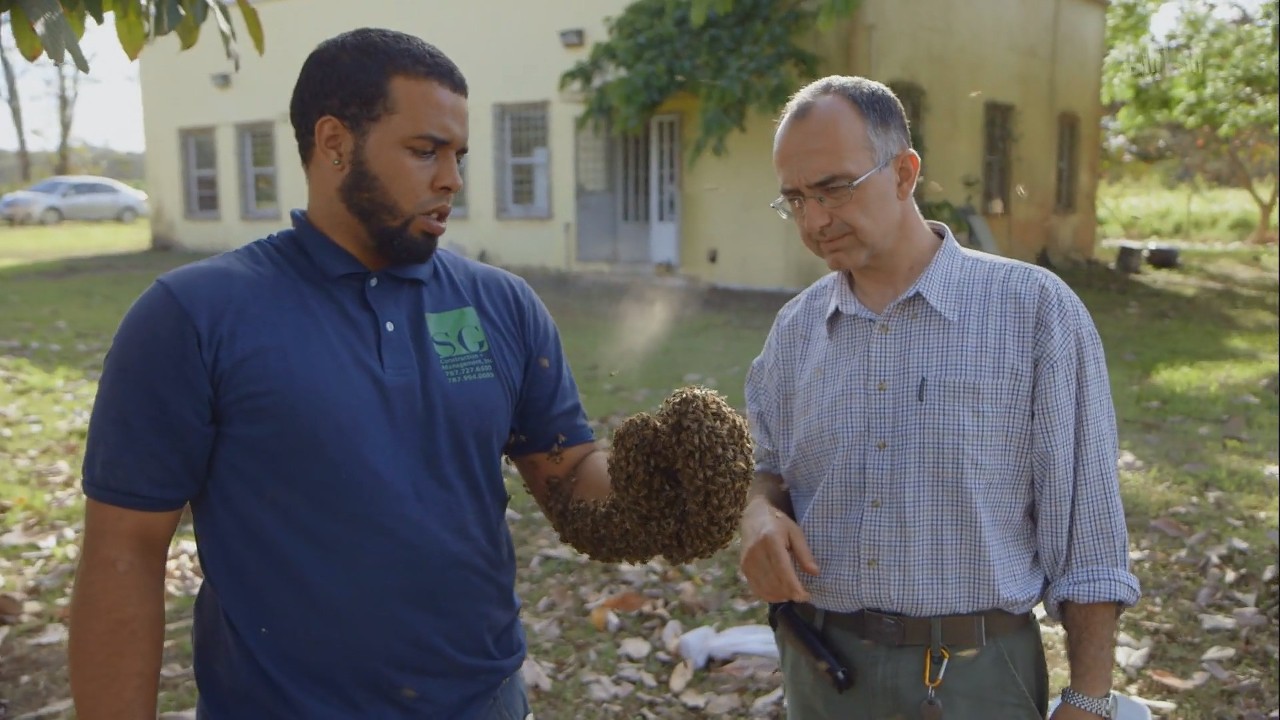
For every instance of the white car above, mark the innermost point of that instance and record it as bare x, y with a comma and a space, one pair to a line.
74, 197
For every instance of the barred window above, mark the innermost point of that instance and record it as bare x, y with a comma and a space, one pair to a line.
523, 188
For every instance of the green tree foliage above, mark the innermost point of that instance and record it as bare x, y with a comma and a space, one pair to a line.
54, 27
1207, 91
732, 56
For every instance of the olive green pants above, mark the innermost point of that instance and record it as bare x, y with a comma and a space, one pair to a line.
1006, 679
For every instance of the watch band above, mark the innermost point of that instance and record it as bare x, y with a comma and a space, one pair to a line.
1102, 707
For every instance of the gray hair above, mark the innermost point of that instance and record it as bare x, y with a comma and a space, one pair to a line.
879, 107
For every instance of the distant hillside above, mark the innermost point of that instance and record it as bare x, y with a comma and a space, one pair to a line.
125, 167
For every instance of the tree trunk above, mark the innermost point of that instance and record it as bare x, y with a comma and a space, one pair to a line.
15, 109
1263, 234
68, 90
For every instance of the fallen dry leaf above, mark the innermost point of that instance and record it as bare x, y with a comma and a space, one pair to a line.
1164, 677
174, 670
680, 677
53, 634
694, 700
48, 711
1131, 660
535, 675
1234, 429
723, 704
1170, 527
1216, 623
1246, 599
749, 666
605, 620
1218, 671
764, 704
10, 605
671, 633
627, 602
548, 629
1249, 617
635, 648
636, 674
1218, 653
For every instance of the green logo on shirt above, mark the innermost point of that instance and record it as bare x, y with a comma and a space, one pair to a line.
460, 342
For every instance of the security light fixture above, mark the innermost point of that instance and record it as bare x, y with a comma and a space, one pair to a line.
573, 38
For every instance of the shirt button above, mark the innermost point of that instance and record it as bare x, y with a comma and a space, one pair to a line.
884, 329
871, 563
875, 503
882, 386
879, 446
373, 282
391, 327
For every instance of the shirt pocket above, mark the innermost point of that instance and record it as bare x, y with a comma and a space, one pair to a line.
965, 424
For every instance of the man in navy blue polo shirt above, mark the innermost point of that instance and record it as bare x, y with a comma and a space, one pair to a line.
333, 401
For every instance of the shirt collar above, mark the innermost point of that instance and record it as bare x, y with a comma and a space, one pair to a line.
936, 284
334, 260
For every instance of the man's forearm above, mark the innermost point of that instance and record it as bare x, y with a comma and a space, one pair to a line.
589, 477
117, 637
771, 489
1091, 645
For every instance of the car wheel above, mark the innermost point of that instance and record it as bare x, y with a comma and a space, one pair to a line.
127, 215
52, 216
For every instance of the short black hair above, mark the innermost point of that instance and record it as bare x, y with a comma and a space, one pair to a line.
349, 76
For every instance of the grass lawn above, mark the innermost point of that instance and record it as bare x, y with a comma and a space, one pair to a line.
34, 243
1143, 210
1193, 356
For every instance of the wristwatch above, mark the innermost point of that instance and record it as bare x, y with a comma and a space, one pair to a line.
1103, 707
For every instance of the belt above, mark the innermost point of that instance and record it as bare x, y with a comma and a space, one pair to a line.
972, 630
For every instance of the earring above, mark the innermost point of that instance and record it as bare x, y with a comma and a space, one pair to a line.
337, 161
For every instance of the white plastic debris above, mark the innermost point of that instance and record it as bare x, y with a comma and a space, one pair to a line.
700, 645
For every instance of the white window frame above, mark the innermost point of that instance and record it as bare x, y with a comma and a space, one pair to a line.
249, 173
540, 160
191, 174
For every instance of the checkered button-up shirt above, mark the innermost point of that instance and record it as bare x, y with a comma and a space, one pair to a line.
956, 453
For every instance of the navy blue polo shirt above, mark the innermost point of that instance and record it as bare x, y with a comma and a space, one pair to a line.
339, 435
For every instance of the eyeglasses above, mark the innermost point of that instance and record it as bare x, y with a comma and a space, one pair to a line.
792, 206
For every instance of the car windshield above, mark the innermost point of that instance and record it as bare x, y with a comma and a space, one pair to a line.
48, 187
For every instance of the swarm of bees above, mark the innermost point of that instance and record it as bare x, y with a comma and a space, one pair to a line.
680, 480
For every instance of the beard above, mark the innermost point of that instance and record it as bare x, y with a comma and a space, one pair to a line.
389, 229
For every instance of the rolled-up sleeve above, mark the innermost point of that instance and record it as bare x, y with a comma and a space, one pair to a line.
1081, 533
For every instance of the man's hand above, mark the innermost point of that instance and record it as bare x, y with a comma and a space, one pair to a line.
771, 540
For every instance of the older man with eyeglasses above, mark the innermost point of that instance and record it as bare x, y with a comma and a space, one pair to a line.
935, 450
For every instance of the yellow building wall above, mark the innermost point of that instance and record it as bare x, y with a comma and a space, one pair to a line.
1041, 56
726, 213
516, 59
961, 54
